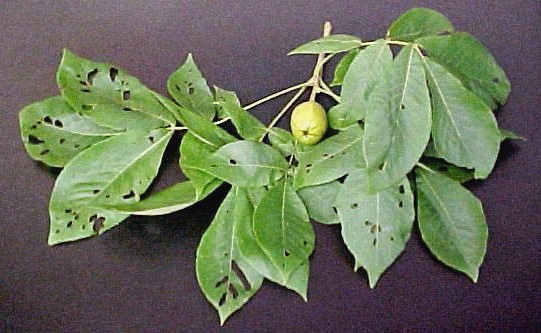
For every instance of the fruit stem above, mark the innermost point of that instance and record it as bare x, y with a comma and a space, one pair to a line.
283, 111
326, 90
318, 68
422, 166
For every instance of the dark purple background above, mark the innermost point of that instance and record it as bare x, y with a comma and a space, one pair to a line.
140, 276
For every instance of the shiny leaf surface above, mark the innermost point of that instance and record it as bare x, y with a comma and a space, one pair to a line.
320, 201
245, 164
54, 133
397, 125
225, 276
419, 22
283, 230
330, 159
99, 177
468, 59
108, 95
452, 222
330, 44
375, 227
190, 89
363, 75
464, 129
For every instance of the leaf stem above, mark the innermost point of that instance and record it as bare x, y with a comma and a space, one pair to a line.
391, 42
318, 68
183, 128
283, 111
177, 128
326, 90
276, 94
422, 166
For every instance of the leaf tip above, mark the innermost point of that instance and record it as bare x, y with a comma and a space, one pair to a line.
473, 275
372, 281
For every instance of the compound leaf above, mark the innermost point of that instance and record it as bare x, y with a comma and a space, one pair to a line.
360, 80
224, 274
109, 96
468, 59
329, 44
283, 230
190, 89
330, 159
54, 133
419, 22
398, 122
451, 221
99, 177
375, 227
464, 129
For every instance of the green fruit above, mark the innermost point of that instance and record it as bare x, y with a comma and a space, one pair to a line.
308, 123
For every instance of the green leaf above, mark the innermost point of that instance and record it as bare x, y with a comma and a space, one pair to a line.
109, 96
190, 89
203, 128
461, 175
192, 160
54, 133
452, 222
468, 59
343, 66
398, 121
330, 159
169, 200
99, 177
419, 22
320, 201
283, 230
224, 96
246, 164
375, 227
464, 129
329, 44
298, 281
360, 80
282, 140
248, 126
258, 259
507, 134
223, 272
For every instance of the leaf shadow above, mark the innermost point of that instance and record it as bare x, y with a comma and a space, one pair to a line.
54, 171
158, 235
508, 149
